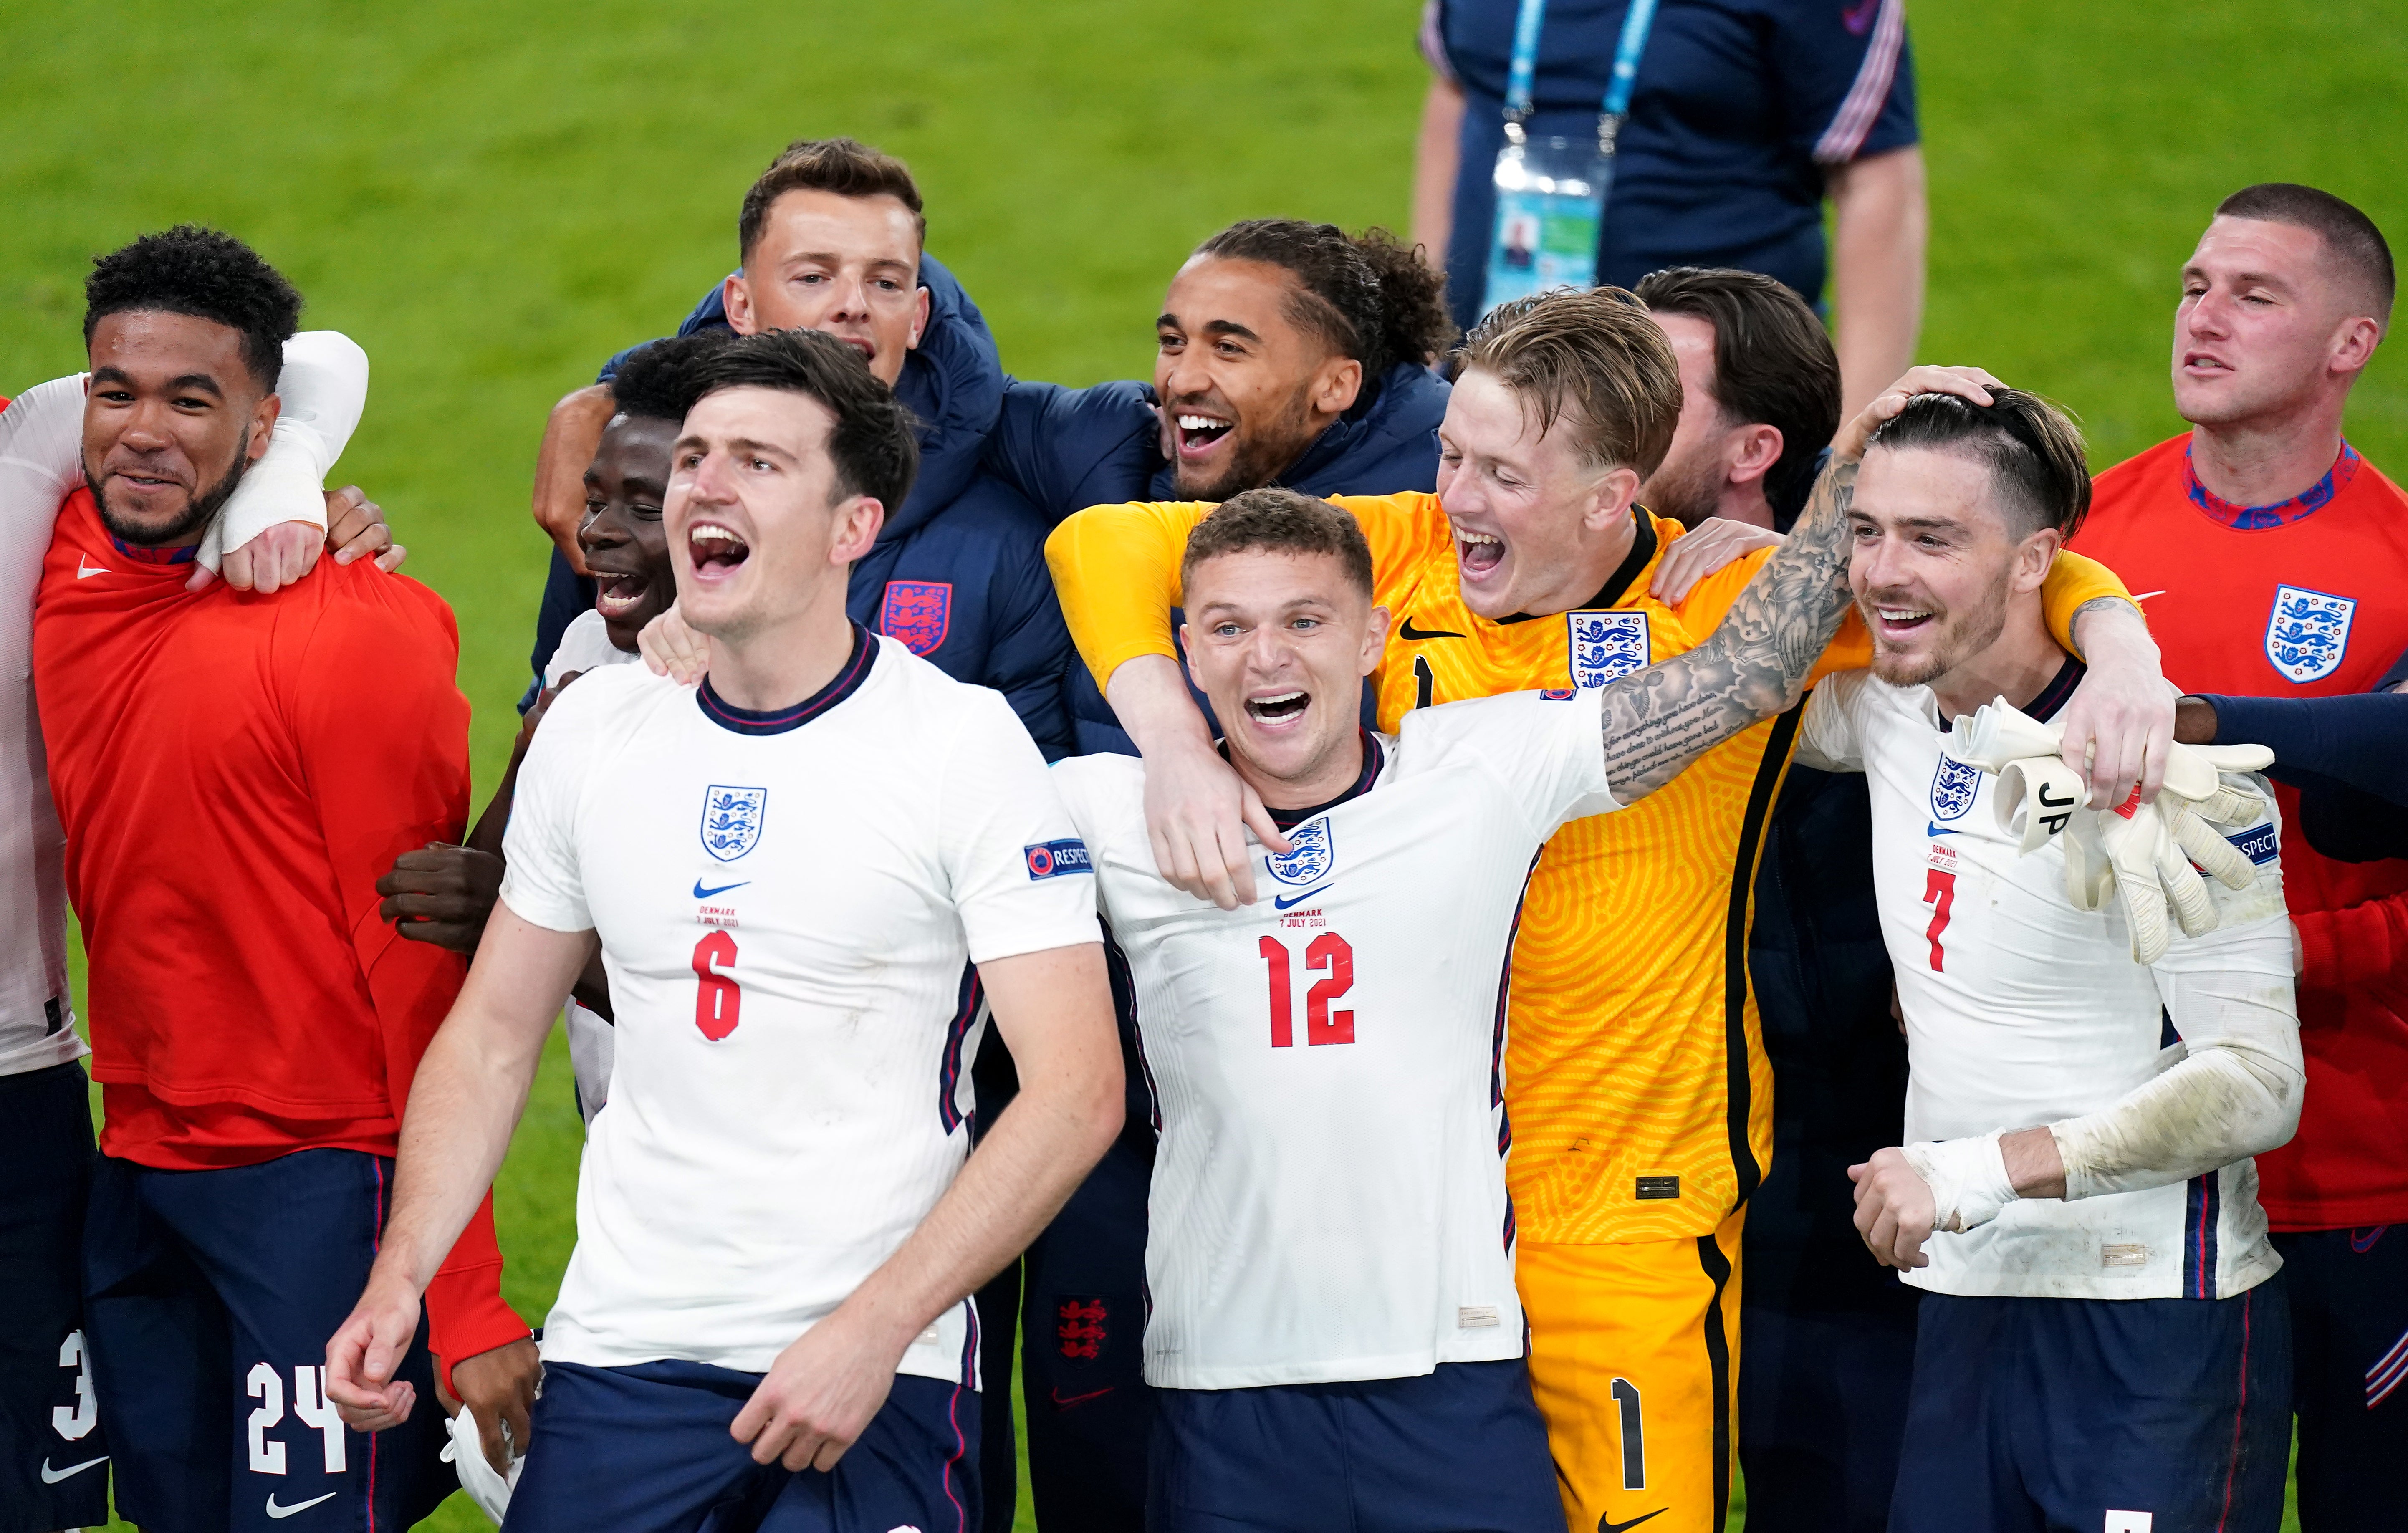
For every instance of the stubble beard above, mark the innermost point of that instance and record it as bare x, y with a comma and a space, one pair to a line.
1962, 636
1262, 454
197, 514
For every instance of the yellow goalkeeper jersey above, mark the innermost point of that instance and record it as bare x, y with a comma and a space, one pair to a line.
1637, 1088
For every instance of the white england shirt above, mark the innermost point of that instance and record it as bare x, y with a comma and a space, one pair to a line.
324, 389
1328, 1198
2022, 1011
787, 905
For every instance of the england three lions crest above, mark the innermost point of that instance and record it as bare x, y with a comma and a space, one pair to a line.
2309, 633
731, 820
1605, 645
918, 612
1311, 856
1954, 788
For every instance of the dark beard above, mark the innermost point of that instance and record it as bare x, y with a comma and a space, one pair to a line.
1264, 458
198, 514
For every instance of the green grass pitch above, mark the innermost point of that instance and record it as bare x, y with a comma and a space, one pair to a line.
491, 197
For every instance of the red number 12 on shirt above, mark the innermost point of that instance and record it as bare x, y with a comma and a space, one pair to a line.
1329, 951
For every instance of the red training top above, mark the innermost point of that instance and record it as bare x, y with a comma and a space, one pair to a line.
233, 773
2304, 599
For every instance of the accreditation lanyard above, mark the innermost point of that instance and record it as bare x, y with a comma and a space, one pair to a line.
1519, 101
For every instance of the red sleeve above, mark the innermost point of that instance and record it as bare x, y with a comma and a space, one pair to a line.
383, 733
2354, 947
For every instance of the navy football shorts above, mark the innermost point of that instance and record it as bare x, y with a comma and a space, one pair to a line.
646, 1448
208, 1298
2138, 1415
53, 1453
2349, 1374
1459, 1450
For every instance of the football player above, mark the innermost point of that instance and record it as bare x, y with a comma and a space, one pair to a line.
2272, 555
2103, 1338
788, 875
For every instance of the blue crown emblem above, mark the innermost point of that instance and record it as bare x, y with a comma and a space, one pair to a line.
731, 820
1313, 854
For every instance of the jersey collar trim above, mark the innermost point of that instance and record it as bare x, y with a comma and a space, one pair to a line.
1617, 585
745, 721
184, 555
2059, 689
1374, 760
2305, 504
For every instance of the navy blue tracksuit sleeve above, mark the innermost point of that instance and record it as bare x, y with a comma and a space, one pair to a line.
2344, 756
1068, 449
1031, 657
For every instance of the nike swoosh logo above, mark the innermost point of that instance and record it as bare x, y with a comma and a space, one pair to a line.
274, 1510
701, 893
1937, 829
1284, 901
85, 569
1062, 1401
1604, 1527
52, 1476
1411, 635
2144, 596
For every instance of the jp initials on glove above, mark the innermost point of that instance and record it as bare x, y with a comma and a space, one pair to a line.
2153, 855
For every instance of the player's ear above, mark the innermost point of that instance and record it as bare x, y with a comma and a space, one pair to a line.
919, 323
1759, 449
2033, 557
856, 529
1340, 383
1375, 641
263, 426
738, 300
1614, 493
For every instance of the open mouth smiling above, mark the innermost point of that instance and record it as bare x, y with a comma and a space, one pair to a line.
1478, 552
716, 548
1199, 433
621, 592
1278, 707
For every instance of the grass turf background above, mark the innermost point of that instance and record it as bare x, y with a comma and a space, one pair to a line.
493, 196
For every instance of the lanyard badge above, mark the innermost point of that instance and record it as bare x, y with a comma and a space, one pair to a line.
1551, 192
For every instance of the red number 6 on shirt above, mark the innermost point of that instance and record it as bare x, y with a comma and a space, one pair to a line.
718, 999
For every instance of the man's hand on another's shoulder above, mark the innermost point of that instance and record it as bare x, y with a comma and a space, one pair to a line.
355, 528
500, 1387
1893, 1208
444, 894
1712, 545
671, 648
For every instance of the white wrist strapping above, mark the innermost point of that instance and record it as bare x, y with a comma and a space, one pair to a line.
1968, 1179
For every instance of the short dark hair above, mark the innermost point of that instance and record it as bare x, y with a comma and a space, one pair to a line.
2350, 236
1281, 521
657, 381
1593, 356
873, 442
1369, 296
2032, 447
1774, 362
846, 166
191, 270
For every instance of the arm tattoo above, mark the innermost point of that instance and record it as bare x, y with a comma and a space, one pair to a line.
1753, 666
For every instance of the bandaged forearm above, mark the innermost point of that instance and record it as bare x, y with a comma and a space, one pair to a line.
1968, 1179
320, 391
2236, 1095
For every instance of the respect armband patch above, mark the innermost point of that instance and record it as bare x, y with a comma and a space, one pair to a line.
2257, 843
1052, 859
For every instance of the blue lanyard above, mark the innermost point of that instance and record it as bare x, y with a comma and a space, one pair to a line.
1636, 24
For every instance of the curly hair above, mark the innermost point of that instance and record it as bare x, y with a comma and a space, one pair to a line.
192, 270
1374, 298
657, 381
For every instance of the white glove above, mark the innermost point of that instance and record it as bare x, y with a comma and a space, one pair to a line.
466, 1452
2152, 873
